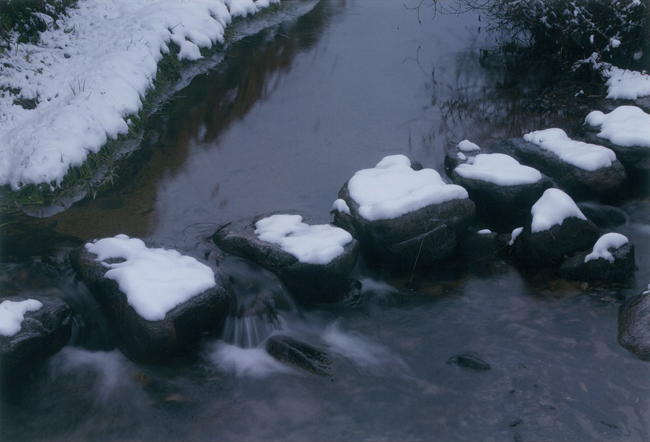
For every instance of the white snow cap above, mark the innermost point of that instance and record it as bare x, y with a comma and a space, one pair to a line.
500, 169
586, 156
341, 206
552, 208
606, 243
625, 126
316, 244
623, 84
90, 72
154, 281
514, 235
468, 146
484, 232
392, 189
12, 314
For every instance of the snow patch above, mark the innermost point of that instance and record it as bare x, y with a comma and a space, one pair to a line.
392, 189
624, 84
624, 126
586, 156
317, 244
154, 281
514, 235
468, 146
12, 314
552, 208
604, 244
341, 206
500, 169
90, 72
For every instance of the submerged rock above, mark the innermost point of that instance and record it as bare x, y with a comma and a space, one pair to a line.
314, 261
299, 354
469, 360
611, 260
502, 188
556, 228
33, 328
583, 170
402, 217
159, 301
634, 325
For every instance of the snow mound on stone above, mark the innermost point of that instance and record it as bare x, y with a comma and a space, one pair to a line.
392, 189
586, 156
468, 146
154, 281
90, 72
604, 244
315, 244
12, 314
499, 169
514, 235
624, 84
624, 126
341, 206
552, 208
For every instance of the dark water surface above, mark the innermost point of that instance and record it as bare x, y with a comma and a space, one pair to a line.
283, 122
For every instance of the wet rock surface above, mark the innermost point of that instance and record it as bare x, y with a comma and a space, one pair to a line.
42, 333
151, 341
470, 361
291, 351
619, 270
309, 283
634, 325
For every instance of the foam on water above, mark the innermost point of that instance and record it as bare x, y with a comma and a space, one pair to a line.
245, 362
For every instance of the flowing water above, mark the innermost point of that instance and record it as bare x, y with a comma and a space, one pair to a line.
283, 121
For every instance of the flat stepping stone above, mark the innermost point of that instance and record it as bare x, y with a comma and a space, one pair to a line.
159, 301
314, 261
404, 217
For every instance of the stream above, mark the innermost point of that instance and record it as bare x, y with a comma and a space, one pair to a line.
286, 117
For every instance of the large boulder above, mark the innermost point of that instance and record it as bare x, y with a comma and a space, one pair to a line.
626, 131
634, 325
404, 217
610, 260
502, 189
555, 229
583, 170
159, 301
32, 328
314, 261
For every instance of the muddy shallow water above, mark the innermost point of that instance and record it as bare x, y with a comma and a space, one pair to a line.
283, 122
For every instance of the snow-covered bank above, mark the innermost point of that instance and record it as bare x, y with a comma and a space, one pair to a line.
624, 84
90, 73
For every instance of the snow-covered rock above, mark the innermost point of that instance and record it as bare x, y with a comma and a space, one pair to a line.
405, 217
461, 153
502, 188
555, 228
32, 328
159, 300
314, 261
583, 169
611, 260
625, 130
90, 72
634, 325
625, 84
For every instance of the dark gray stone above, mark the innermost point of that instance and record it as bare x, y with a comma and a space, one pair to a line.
152, 341
550, 247
600, 269
299, 354
43, 332
416, 239
309, 283
602, 215
502, 207
484, 247
469, 360
605, 183
634, 326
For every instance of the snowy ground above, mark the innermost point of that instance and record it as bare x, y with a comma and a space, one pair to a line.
90, 72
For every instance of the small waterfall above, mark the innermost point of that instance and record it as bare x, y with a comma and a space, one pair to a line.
249, 331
